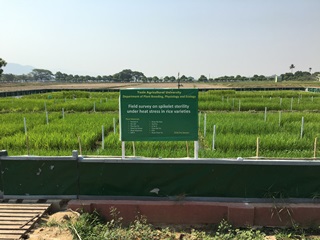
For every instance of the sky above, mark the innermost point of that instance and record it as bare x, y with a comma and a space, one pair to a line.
162, 37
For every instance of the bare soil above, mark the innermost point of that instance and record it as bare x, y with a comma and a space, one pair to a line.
50, 227
6, 87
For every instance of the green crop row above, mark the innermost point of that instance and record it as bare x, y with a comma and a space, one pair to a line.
288, 134
55, 105
58, 132
259, 103
79, 101
73, 95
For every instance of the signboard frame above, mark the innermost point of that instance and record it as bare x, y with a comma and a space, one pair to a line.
158, 115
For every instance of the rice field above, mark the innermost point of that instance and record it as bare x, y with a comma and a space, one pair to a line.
276, 124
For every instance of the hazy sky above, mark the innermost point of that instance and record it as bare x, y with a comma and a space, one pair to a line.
162, 37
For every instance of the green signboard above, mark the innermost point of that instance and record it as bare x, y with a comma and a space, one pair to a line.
159, 114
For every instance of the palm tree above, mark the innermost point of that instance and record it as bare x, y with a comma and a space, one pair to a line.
292, 66
2, 64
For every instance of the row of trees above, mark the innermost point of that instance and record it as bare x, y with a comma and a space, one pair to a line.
128, 75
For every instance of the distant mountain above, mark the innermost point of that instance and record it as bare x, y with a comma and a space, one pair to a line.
17, 69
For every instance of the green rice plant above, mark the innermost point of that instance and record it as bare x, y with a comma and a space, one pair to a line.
236, 131
257, 101
163, 149
208, 101
60, 134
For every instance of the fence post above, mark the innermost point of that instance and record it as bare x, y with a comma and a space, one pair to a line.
3, 153
123, 150
75, 153
133, 149
196, 149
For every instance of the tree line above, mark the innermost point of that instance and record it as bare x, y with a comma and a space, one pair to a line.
127, 75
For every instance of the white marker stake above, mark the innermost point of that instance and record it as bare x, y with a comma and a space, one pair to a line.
47, 117
302, 125
213, 137
257, 147
205, 125
315, 148
102, 134
280, 113
265, 114
114, 126
62, 113
25, 125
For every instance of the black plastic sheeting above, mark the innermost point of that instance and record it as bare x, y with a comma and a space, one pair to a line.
75, 177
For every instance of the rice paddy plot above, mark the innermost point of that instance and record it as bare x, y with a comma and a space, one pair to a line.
231, 124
